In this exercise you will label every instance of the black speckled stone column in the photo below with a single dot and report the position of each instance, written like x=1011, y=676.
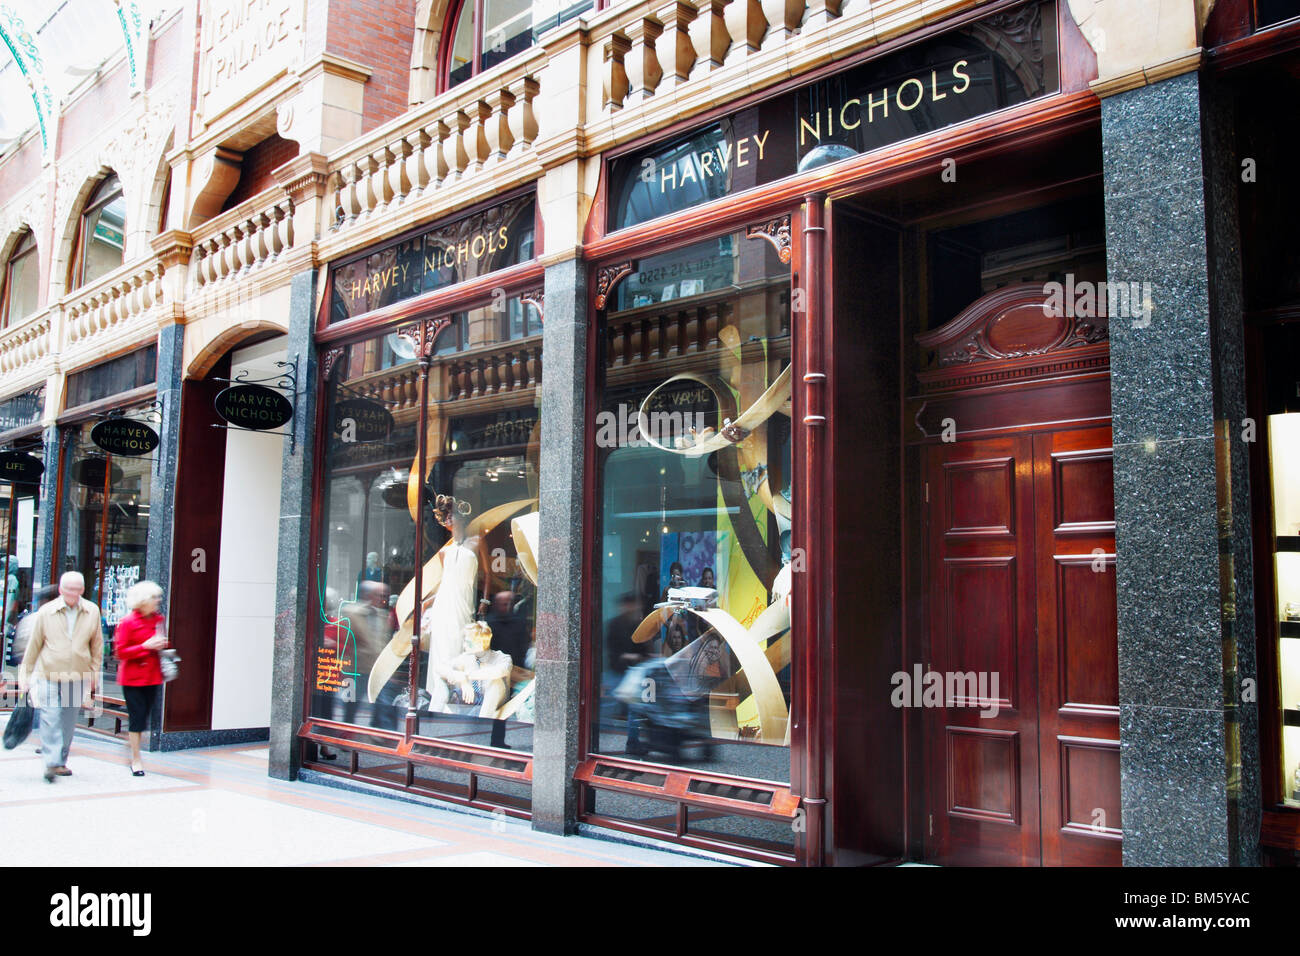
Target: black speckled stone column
x=162, y=495
x=559, y=559
x=288, y=667
x=44, y=545
x=1189, y=767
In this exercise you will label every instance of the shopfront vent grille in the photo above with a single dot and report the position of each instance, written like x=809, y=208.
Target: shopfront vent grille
x=728, y=791
x=470, y=757
x=630, y=774
x=373, y=740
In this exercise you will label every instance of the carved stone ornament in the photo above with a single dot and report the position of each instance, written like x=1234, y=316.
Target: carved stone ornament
x=607, y=278
x=777, y=232
x=1015, y=322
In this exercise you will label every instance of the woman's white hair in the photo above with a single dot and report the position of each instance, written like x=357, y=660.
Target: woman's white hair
x=140, y=592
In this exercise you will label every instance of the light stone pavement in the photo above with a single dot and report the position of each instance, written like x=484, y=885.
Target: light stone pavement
x=217, y=807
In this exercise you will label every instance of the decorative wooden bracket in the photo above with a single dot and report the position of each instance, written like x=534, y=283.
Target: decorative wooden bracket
x=607, y=278
x=775, y=231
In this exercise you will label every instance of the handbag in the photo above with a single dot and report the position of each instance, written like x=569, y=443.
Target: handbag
x=20, y=724
x=169, y=659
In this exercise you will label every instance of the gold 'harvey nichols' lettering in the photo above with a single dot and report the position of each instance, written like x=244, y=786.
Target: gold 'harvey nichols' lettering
x=475, y=247
x=450, y=256
x=377, y=281
x=685, y=170
x=907, y=96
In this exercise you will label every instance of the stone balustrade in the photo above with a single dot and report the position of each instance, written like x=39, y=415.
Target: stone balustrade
x=106, y=306
x=473, y=128
x=24, y=347
x=651, y=49
x=244, y=239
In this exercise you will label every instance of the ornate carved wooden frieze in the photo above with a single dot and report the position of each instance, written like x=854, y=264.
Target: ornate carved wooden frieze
x=607, y=278
x=1016, y=322
x=423, y=334
x=775, y=231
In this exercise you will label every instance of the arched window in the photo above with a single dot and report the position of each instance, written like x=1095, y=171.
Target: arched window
x=486, y=32
x=100, y=235
x=21, y=282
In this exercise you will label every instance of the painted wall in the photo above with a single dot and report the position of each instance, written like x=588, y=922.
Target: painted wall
x=241, y=681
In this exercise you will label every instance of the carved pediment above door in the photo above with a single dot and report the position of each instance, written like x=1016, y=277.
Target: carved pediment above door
x=1018, y=332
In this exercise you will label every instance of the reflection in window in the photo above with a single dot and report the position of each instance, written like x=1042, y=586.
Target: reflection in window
x=102, y=234
x=474, y=671
x=694, y=576
x=21, y=282
x=19, y=523
x=105, y=527
x=508, y=27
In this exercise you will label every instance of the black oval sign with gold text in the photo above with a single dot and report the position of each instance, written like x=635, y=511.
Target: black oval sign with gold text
x=20, y=468
x=253, y=406
x=124, y=436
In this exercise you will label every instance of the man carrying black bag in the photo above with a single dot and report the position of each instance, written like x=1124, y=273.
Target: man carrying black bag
x=25, y=717
x=62, y=667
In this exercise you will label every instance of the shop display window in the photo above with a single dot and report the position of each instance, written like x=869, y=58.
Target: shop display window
x=1284, y=459
x=20, y=526
x=694, y=492
x=104, y=530
x=474, y=668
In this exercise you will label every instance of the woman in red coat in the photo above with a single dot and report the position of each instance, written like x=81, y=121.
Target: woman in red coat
x=136, y=644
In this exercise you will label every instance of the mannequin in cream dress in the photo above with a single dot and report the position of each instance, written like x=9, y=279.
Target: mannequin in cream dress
x=442, y=627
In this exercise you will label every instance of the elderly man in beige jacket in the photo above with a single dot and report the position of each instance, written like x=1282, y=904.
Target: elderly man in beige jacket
x=61, y=668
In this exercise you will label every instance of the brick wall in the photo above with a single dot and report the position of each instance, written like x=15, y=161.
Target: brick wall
x=377, y=34
x=255, y=173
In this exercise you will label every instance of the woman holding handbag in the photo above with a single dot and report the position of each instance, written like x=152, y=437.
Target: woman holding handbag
x=139, y=637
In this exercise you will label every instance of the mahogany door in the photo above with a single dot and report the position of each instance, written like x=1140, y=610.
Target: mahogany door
x=983, y=744
x=1078, y=653
x=1023, y=752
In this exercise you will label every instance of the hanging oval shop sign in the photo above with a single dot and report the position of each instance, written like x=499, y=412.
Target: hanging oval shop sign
x=91, y=472
x=20, y=467
x=253, y=406
x=360, y=419
x=124, y=436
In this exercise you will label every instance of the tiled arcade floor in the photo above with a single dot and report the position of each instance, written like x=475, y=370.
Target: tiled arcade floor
x=217, y=807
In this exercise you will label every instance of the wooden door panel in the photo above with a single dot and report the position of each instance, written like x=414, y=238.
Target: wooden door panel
x=981, y=611
x=1083, y=492
x=984, y=774
x=980, y=498
x=1078, y=679
x=1087, y=649
x=982, y=745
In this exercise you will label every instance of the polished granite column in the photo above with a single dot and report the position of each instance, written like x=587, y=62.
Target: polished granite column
x=1188, y=744
x=559, y=558
x=162, y=495
x=294, y=562
x=43, y=551
x=162, y=492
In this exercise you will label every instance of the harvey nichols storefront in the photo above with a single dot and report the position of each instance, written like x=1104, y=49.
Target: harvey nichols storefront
x=784, y=523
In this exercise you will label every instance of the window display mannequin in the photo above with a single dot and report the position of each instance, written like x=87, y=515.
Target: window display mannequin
x=443, y=624
x=478, y=675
